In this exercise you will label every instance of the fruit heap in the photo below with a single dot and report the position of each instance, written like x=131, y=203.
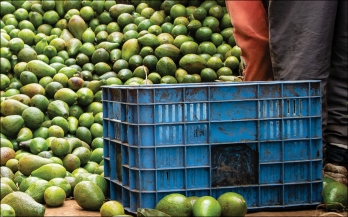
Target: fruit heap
x=227, y=204
x=56, y=55
x=104, y=42
x=54, y=58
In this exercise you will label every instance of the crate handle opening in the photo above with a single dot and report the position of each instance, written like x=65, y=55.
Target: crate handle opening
x=288, y=105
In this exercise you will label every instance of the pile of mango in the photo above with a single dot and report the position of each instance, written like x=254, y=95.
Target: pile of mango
x=227, y=204
x=56, y=55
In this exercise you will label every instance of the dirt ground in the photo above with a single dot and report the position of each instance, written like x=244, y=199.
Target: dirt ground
x=71, y=208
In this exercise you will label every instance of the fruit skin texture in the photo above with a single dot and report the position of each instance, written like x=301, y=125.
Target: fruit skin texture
x=206, y=206
x=88, y=195
x=111, y=208
x=6, y=154
x=335, y=196
x=232, y=204
x=17, y=199
x=192, y=63
x=77, y=26
x=54, y=196
x=36, y=190
x=11, y=125
x=7, y=210
x=192, y=199
x=27, y=164
x=40, y=69
x=130, y=48
x=175, y=205
x=50, y=171
x=5, y=190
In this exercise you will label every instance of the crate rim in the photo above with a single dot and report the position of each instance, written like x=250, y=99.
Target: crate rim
x=207, y=84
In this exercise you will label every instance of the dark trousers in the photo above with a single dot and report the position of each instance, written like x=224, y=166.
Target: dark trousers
x=315, y=31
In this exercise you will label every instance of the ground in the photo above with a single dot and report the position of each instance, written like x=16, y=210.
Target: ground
x=70, y=208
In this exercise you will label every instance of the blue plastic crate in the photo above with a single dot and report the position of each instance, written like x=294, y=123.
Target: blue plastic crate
x=260, y=139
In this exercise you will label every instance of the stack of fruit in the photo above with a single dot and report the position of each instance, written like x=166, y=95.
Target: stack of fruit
x=56, y=55
x=228, y=204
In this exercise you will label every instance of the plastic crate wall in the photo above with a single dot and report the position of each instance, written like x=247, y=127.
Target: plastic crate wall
x=260, y=139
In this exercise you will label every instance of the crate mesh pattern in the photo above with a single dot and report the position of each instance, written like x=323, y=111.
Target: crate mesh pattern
x=262, y=140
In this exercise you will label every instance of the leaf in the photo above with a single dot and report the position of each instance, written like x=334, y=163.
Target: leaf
x=150, y=212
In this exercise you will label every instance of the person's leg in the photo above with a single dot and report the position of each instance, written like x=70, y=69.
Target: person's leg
x=250, y=22
x=337, y=90
x=301, y=35
x=336, y=133
x=301, y=46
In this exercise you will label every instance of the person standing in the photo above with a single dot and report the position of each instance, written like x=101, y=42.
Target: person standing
x=301, y=40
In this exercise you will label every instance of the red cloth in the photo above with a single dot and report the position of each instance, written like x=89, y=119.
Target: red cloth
x=251, y=33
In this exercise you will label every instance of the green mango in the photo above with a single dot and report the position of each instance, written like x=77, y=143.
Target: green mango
x=37, y=189
x=58, y=108
x=66, y=35
x=108, y=46
x=100, y=55
x=50, y=171
x=21, y=98
x=77, y=26
x=12, y=107
x=98, y=6
x=130, y=48
x=29, y=163
x=95, y=86
x=73, y=47
x=62, y=24
x=37, y=7
x=11, y=124
x=40, y=69
x=24, y=134
x=68, y=71
x=88, y=36
x=28, y=77
x=41, y=45
x=71, y=13
x=4, y=42
x=31, y=208
x=73, y=124
x=72, y=4
x=60, y=8
x=118, y=9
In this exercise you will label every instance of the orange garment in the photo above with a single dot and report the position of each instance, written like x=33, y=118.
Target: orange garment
x=250, y=23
